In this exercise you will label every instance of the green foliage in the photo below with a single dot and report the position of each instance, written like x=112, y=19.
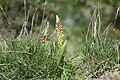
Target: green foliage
x=29, y=58
x=100, y=55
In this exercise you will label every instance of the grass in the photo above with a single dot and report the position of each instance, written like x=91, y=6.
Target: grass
x=28, y=57
x=100, y=53
x=34, y=57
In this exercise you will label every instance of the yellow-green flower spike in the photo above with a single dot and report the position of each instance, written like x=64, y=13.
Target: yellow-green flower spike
x=59, y=31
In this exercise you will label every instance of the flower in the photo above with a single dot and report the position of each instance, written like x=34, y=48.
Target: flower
x=59, y=31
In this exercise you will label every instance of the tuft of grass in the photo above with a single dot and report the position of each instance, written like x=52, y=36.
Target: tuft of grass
x=100, y=53
x=28, y=57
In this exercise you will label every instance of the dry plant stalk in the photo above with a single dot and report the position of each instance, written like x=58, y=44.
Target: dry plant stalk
x=45, y=34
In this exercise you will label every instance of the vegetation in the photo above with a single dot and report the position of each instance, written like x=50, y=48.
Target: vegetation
x=38, y=53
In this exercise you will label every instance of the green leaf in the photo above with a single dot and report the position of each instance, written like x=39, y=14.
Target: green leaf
x=60, y=52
